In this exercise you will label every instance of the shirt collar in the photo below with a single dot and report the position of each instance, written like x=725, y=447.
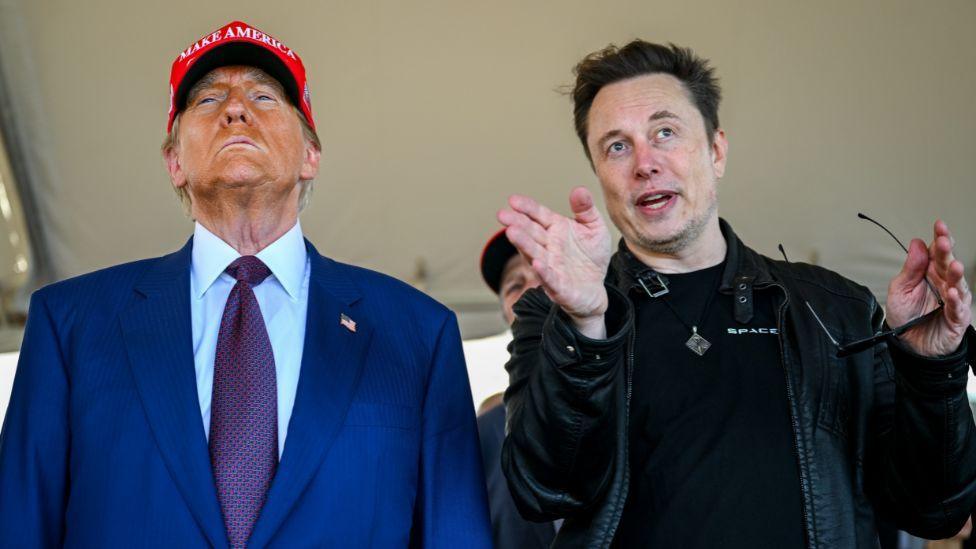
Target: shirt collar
x=285, y=257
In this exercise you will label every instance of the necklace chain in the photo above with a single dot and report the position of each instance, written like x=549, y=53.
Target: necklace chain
x=696, y=343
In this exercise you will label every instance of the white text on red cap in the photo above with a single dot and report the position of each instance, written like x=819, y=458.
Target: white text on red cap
x=236, y=32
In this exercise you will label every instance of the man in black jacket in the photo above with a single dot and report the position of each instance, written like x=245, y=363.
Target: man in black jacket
x=689, y=390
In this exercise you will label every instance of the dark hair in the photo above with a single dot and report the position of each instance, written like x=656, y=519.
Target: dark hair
x=639, y=58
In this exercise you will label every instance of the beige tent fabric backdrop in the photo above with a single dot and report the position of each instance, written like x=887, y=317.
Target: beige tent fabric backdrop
x=431, y=112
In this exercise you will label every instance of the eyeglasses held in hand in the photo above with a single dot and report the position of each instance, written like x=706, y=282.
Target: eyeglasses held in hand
x=853, y=347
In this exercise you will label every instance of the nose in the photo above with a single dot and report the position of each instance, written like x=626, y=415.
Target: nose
x=235, y=110
x=646, y=163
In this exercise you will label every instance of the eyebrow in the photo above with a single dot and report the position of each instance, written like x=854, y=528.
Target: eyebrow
x=663, y=114
x=200, y=85
x=262, y=77
x=659, y=115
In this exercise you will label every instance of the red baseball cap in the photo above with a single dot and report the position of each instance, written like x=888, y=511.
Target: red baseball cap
x=238, y=43
x=498, y=250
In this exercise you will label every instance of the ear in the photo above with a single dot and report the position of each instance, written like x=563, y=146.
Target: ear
x=310, y=164
x=720, y=150
x=176, y=175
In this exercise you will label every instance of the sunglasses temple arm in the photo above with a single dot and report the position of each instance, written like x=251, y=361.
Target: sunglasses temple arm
x=820, y=322
x=858, y=346
x=915, y=322
x=892, y=235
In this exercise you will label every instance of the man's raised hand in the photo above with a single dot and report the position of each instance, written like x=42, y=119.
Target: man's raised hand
x=909, y=296
x=570, y=256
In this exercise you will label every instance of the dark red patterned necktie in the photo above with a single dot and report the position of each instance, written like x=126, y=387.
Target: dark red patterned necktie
x=244, y=408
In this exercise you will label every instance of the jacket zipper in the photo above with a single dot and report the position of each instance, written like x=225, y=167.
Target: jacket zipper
x=808, y=527
x=789, y=398
x=626, y=449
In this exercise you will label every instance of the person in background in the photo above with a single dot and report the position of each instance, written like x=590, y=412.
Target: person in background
x=509, y=276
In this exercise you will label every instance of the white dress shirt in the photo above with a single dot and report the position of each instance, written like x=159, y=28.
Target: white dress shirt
x=283, y=298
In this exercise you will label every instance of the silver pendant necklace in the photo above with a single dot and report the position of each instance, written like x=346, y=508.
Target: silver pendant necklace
x=696, y=343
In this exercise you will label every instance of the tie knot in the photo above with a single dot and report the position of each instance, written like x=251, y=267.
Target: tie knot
x=249, y=269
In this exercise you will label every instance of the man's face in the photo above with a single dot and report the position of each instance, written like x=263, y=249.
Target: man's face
x=517, y=277
x=239, y=136
x=658, y=171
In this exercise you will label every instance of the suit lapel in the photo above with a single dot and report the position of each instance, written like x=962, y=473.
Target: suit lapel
x=332, y=362
x=158, y=339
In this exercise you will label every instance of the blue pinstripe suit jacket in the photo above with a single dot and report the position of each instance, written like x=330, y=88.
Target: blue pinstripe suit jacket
x=103, y=444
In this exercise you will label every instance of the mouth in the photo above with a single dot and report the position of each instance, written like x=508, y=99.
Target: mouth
x=656, y=201
x=239, y=141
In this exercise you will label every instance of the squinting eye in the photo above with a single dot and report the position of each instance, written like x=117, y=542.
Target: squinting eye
x=264, y=97
x=205, y=100
x=512, y=289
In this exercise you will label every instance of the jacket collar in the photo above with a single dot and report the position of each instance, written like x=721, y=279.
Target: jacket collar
x=158, y=340
x=741, y=263
x=744, y=270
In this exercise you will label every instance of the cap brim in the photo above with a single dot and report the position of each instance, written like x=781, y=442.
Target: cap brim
x=495, y=256
x=238, y=53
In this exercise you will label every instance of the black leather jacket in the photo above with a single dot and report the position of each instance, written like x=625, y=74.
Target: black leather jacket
x=881, y=431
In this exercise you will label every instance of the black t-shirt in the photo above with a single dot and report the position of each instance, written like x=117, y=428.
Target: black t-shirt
x=712, y=455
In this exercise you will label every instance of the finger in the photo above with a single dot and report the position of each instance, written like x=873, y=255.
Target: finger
x=941, y=254
x=524, y=243
x=534, y=230
x=539, y=213
x=957, y=309
x=941, y=229
x=581, y=203
x=523, y=223
x=914, y=268
x=956, y=278
x=936, y=228
x=958, y=298
x=506, y=217
x=936, y=276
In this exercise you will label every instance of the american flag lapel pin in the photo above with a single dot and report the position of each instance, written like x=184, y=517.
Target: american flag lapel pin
x=349, y=323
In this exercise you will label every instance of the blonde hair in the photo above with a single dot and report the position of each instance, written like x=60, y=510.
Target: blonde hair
x=172, y=140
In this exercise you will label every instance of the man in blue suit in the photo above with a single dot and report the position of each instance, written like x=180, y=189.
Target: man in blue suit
x=245, y=390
